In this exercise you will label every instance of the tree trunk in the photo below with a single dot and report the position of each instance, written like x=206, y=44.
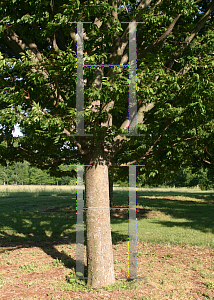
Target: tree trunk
x=99, y=243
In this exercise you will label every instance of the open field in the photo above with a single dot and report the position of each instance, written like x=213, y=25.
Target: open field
x=175, y=244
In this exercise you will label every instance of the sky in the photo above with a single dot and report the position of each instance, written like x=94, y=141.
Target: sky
x=17, y=132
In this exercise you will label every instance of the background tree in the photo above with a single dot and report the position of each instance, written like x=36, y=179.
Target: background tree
x=38, y=91
x=22, y=172
x=3, y=175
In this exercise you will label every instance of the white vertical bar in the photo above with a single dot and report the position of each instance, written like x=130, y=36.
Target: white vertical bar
x=132, y=223
x=80, y=83
x=80, y=224
x=132, y=79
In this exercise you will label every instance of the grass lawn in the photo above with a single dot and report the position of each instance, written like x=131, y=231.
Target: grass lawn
x=175, y=250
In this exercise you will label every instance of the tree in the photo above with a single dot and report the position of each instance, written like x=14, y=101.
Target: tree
x=3, y=175
x=38, y=91
x=22, y=171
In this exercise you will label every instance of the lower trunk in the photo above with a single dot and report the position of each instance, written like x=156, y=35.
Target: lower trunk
x=99, y=242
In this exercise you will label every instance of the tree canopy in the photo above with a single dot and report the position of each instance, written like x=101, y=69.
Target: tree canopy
x=38, y=79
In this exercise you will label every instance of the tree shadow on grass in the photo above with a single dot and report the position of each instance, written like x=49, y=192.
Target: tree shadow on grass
x=206, y=197
x=43, y=222
x=43, y=230
x=199, y=215
x=50, y=221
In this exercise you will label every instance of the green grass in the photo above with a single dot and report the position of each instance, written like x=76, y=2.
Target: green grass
x=178, y=217
x=34, y=214
x=28, y=267
x=46, y=217
x=119, y=285
x=2, y=282
x=38, y=214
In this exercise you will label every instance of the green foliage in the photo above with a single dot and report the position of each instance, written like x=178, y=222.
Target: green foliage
x=202, y=178
x=24, y=174
x=175, y=74
x=188, y=178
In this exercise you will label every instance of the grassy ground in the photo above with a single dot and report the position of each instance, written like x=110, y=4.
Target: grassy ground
x=175, y=244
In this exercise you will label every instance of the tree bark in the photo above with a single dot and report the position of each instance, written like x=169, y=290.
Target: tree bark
x=99, y=243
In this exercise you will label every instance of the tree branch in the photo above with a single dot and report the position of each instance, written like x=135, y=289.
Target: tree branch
x=32, y=154
x=194, y=32
x=20, y=46
x=130, y=163
x=58, y=91
x=13, y=40
x=143, y=4
x=149, y=153
x=79, y=146
x=161, y=39
x=208, y=162
x=208, y=152
x=150, y=149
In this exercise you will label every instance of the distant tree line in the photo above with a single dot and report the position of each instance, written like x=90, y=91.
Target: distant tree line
x=202, y=178
x=23, y=174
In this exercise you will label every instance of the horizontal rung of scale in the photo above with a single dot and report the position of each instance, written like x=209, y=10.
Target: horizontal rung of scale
x=132, y=278
x=112, y=208
x=80, y=22
x=106, y=65
x=93, y=22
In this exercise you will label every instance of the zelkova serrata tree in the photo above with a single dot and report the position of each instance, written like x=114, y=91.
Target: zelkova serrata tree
x=175, y=43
